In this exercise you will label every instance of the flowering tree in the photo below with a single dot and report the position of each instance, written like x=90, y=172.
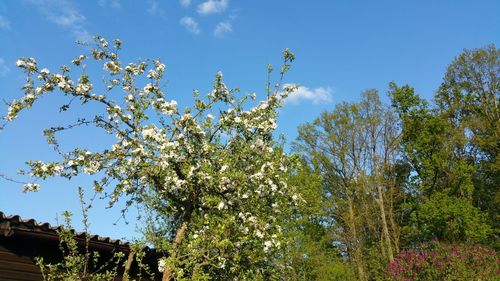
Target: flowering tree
x=211, y=174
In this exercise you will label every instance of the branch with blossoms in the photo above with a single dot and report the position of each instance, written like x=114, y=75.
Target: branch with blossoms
x=210, y=174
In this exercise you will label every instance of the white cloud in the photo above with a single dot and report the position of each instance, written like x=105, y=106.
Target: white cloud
x=81, y=34
x=64, y=14
x=185, y=3
x=222, y=28
x=115, y=4
x=4, y=23
x=213, y=7
x=4, y=69
x=190, y=24
x=316, y=96
x=155, y=9
x=68, y=18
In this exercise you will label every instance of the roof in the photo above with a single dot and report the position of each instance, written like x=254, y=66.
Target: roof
x=15, y=225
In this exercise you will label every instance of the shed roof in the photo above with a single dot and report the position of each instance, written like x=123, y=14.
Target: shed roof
x=15, y=225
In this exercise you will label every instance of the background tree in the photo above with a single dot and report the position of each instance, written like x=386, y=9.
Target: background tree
x=354, y=148
x=381, y=143
x=452, y=150
x=330, y=146
x=311, y=255
x=429, y=146
x=469, y=99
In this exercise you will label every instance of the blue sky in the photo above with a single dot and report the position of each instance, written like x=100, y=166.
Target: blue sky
x=342, y=48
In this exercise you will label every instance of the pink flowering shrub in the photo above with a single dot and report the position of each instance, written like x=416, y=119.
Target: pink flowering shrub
x=443, y=261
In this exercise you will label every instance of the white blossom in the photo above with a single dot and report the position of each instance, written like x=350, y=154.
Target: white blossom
x=162, y=264
x=221, y=206
x=31, y=187
x=148, y=88
x=20, y=63
x=112, y=67
x=267, y=245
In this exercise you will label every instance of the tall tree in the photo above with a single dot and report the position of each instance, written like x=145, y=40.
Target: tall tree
x=333, y=147
x=381, y=143
x=354, y=148
x=469, y=98
x=441, y=174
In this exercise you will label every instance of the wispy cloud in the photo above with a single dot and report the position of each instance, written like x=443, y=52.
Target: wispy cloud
x=115, y=4
x=4, y=23
x=316, y=95
x=155, y=9
x=4, y=69
x=222, y=28
x=64, y=14
x=81, y=34
x=185, y=3
x=190, y=24
x=212, y=7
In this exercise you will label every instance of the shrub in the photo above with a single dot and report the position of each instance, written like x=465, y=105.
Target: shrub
x=444, y=261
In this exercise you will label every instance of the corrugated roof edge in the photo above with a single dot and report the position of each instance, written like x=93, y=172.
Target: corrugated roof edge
x=10, y=225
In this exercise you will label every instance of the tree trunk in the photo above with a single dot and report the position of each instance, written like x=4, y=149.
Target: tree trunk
x=126, y=271
x=358, y=255
x=385, y=229
x=376, y=165
x=394, y=226
x=174, y=251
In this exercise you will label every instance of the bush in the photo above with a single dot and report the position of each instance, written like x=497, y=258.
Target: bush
x=443, y=261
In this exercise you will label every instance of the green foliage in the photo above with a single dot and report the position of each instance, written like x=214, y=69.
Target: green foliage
x=78, y=264
x=431, y=146
x=375, y=265
x=354, y=150
x=469, y=98
x=452, y=150
x=311, y=260
x=311, y=254
x=447, y=218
